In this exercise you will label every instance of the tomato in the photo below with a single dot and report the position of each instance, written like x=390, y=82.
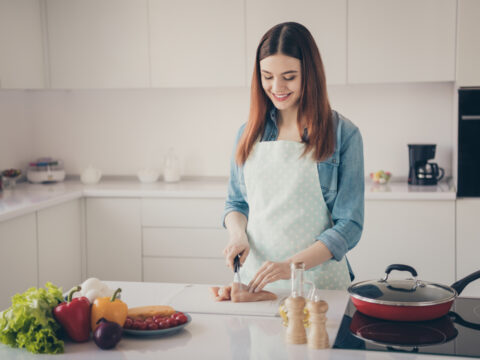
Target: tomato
x=162, y=324
x=152, y=326
x=142, y=325
x=172, y=322
x=181, y=318
x=157, y=317
x=128, y=323
x=149, y=320
x=137, y=324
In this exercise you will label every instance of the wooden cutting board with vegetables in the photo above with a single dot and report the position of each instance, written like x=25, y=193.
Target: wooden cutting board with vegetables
x=40, y=319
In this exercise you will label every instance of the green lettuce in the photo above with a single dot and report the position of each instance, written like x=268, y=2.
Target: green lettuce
x=29, y=322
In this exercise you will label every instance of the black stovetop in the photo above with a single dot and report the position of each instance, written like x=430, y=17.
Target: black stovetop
x=456, y=334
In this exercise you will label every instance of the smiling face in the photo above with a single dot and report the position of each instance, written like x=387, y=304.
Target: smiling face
x=282, y=80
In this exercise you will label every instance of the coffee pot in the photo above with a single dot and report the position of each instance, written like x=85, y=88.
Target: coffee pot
x=421, y=171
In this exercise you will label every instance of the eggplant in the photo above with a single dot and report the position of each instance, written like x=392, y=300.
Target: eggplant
x=107, y=334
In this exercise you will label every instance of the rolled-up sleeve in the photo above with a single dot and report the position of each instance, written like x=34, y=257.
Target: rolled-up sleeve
x=348, y=208
x=236, y=196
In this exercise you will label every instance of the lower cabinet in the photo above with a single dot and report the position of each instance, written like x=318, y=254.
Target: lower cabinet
x=113, y=239
x=59, y=232
x=187, y=255
x=468, y=242
x=417, y=233
x=18, y=257
x=183, y=240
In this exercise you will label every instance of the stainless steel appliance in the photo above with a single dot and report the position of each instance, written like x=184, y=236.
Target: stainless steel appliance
x=421, y=171
x=468, y=180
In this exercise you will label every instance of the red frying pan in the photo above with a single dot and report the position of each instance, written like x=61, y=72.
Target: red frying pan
x=406, y=300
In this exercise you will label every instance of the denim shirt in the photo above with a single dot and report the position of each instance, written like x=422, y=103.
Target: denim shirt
x=341, y=179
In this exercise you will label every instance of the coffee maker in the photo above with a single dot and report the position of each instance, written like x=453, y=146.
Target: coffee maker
x=421, y=171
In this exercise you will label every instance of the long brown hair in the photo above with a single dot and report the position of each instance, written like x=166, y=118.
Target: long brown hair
x=292, y=39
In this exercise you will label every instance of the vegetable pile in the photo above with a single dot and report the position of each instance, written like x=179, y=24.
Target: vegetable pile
x=29, y=322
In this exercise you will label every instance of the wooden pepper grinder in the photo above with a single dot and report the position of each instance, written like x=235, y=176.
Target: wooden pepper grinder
x=295, y=305
x=317, y=335
x=296, y=333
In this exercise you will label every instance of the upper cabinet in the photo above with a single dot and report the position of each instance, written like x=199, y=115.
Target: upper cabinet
x=326, y=20
x=197, y=43
x=401, y=41
x=98, y=44
x=468, y=44
x=21, y=45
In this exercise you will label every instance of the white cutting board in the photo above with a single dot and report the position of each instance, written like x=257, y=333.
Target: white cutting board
x=198, y=299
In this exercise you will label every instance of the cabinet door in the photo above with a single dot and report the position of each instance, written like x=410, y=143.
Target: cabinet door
x=468, y=49
x=59, y=244
x=114, y=244
x=21, y=45
x=416, y=233
x=468, y=242
x=18, y=257
x=197, y=43
x=98, y=44
x=401, y=41
x=325, y=19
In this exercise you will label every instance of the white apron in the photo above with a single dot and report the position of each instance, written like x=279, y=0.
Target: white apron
x=286, y=212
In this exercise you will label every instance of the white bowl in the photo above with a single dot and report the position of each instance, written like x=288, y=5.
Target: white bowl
x=147, y=176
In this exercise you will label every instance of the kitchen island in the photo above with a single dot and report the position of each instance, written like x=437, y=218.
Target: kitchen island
x=214, y=336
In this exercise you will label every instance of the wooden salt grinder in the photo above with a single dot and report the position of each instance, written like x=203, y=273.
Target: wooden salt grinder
x=296, y=333
x=317, y=335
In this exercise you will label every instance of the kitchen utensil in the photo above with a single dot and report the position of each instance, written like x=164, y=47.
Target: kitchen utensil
x=406, y=300
x=236, y=269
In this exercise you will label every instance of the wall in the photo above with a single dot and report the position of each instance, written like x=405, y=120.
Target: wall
x=16, y=135
x=120, y=131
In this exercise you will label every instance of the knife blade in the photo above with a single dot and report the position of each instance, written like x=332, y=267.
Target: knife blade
x=236, y=269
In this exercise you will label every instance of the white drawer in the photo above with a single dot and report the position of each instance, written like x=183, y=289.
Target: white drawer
x=199, y=213
x=184, y=242
x=184, y=270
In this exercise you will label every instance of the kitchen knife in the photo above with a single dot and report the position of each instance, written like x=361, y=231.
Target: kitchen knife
x=236, y=269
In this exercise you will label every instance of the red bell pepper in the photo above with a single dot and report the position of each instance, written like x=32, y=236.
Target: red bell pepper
x=74, y=316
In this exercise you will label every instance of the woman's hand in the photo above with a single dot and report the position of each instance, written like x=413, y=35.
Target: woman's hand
x=269, y=272
x=237, y=245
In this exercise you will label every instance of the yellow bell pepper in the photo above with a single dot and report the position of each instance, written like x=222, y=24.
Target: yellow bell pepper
x=112, y=309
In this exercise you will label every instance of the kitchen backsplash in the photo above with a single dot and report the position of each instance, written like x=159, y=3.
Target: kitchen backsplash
x=121, y=131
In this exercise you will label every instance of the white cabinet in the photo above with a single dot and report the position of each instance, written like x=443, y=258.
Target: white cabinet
x=59, y=230
x=468, y=242
x=113, y=236
x=401, y=41
x=18, y=257
x=411, y=232
x=21, y=45
x=468, y=44
x=197, y=43
x=98, y=44
x=183, y=241
x=326, y=20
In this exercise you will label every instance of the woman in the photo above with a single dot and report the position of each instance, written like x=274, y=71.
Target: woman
x=296, y=190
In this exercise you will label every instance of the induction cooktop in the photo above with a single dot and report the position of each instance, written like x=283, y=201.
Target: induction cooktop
x=455, y=334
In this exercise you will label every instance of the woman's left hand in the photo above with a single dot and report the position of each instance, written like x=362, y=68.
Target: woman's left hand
x=269, y=272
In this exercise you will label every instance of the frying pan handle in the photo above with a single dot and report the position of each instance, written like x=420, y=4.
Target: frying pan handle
x=400, y=267
x=461, y=321
x=460, y=284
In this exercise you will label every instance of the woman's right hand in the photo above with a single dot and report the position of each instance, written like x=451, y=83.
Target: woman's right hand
x=236, y=245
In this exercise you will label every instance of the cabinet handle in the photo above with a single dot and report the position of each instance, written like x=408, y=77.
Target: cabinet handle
x=470, y=117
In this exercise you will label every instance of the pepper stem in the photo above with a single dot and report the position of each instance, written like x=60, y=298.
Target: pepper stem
x=73, y=290
x=114, y=296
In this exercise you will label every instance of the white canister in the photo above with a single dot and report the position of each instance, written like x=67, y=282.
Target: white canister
x=171, y=170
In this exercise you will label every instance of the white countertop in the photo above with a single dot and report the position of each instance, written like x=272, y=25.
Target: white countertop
x=213, y=337
x=26, y=198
